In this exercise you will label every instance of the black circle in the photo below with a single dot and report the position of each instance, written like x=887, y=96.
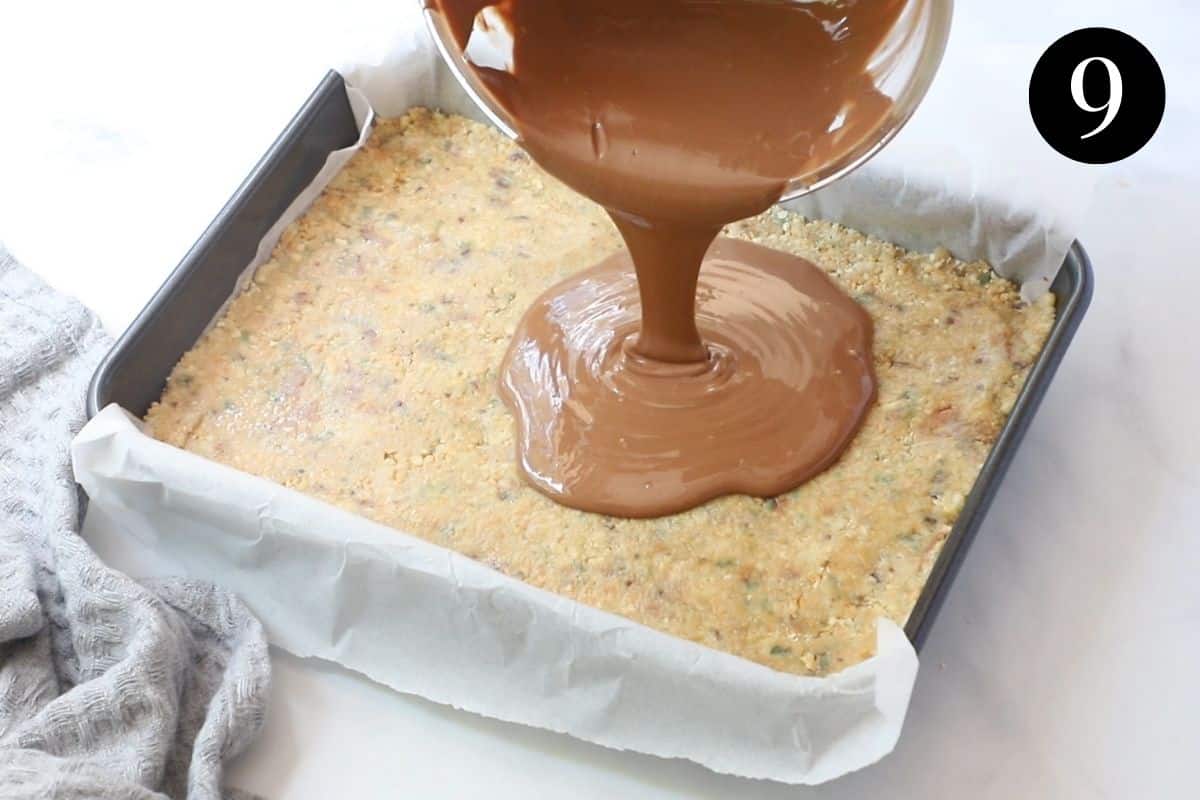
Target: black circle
x=1057, y=106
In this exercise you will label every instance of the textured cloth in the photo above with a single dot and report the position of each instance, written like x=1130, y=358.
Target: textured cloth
x=108, y=688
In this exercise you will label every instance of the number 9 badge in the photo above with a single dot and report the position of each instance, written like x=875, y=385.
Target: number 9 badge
x=1097, y=95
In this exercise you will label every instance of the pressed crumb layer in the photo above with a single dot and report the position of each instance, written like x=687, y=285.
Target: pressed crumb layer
x=360, y=364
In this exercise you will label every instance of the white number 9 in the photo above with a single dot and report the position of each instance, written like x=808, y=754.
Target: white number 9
x=1115, y=90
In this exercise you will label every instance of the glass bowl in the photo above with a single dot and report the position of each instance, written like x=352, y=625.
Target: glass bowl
x=904, y=68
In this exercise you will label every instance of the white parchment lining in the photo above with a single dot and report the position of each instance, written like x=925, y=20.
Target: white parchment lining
x=427, y=621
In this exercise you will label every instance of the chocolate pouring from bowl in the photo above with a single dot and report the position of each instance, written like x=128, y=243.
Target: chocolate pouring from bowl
x=669, y=115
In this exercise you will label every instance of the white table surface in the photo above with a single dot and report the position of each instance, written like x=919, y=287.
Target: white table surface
x=1066, y=661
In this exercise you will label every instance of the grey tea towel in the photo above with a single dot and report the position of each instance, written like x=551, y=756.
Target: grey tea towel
x=108, y=687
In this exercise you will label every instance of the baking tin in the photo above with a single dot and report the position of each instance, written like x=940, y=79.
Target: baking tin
x=135, y=371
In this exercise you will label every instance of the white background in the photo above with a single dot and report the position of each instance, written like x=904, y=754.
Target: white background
x=1066, y=662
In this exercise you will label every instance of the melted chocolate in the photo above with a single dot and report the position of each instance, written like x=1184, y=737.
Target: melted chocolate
x=679, y=116
x=600, y=427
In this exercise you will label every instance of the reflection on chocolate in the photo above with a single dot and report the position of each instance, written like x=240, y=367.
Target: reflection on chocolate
x=680, y=116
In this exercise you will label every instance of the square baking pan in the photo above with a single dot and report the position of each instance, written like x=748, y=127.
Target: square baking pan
x=134, y=372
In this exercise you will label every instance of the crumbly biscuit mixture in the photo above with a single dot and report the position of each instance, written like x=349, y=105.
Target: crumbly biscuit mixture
x=360, y=366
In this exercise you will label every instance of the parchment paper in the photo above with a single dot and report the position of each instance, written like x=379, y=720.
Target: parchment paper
x=427, y=621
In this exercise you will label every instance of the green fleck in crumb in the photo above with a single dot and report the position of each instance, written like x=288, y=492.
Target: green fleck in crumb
x=780, y=650
x=985, y=278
